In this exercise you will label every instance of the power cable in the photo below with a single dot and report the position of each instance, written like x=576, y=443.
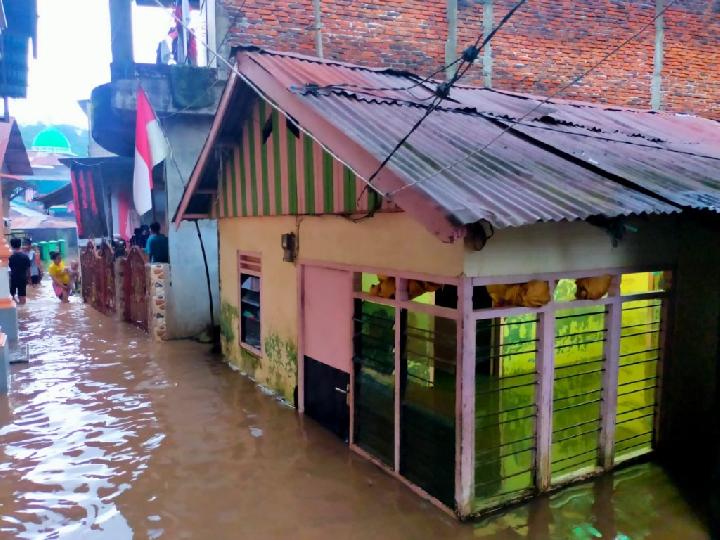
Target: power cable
x=465, y=61
x=545, y=101
x=366, y=89
x=233, y=69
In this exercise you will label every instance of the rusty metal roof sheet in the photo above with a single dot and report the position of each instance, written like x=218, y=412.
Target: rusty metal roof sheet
x=514, y=182
x=551, y=161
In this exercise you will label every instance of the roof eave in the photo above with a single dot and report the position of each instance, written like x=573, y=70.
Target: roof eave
x=206, y=151
x=435, y=218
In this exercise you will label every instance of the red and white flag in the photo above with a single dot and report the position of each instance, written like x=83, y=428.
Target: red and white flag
x=150, y=149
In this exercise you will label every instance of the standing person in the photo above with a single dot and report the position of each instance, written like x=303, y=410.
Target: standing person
x=19, y=264
x=157, y=245
x=144, y=236
x=61, y=277
x=36, y=268
x=135, y=239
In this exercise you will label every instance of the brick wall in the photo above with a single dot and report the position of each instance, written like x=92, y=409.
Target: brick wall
x=544, y=46
x=691, y=72
x=548, y=43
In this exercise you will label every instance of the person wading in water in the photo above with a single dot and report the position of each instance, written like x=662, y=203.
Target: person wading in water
x=61, y=277
x=19, y=264
x=36, y=268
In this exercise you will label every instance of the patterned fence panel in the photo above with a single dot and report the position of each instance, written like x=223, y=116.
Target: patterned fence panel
x=135, y=287
x=98, y=277
x=88, y=269
x=106, y=284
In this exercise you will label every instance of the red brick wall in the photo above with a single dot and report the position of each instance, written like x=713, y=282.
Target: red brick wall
x=543, y=47
x=550, y=42
x=691, y=74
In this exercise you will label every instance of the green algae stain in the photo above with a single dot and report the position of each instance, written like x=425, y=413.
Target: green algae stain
x=228, y=321
x=250, y=362
x=291, y=354
x=282, y=363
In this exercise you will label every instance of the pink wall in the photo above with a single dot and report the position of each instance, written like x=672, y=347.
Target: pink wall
x=328, y=309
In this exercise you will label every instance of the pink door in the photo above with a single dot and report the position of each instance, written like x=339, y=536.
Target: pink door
x=328, y=340
x=328, y=311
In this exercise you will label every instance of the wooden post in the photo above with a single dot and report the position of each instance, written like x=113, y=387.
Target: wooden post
x=544, y=397
x=301, y=338
x=400, y=295
x=608, y=408
x=465, y=401
x=664, y=341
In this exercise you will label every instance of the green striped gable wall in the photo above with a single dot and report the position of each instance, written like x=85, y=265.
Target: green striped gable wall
x=275, y=171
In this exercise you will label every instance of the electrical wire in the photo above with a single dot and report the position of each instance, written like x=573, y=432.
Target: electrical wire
x=545, y=101
x=233, y=69
x=365, y=89
x=465, y=61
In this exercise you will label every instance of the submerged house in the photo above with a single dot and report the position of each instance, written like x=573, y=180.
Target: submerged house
x=518, y=300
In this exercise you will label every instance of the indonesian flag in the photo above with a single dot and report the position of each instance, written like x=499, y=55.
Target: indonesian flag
x=150, y=149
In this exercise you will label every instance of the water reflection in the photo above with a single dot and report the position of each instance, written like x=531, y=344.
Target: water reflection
x=107, y=435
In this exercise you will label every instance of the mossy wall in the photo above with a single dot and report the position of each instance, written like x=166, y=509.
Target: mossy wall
x=388, y=241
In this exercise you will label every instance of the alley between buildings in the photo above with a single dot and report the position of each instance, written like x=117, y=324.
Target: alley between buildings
x=107, y=434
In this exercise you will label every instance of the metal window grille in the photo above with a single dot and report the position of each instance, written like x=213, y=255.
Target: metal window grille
x=505, y=409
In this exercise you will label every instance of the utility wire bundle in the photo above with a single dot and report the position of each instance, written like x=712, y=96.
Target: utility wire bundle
x=442, y=91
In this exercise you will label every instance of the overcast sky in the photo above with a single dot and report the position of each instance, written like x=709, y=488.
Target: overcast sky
x=74, y=57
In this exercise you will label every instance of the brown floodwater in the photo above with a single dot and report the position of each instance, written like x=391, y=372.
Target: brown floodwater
x=107, y=435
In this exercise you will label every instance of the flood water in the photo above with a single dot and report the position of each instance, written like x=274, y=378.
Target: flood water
x=107, y=435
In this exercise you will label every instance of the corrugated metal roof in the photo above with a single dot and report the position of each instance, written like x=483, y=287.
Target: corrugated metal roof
x=515, y=181
x=687, y=180
x=512, y=184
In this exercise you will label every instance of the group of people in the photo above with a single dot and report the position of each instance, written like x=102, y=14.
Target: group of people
x=26, y=268
x=153, y=242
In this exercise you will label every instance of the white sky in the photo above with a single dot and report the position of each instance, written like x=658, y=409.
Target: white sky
x=74, y=57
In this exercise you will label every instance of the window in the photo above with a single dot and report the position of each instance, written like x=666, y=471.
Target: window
x=579, y=331
x=405, y=359
x=249, y=268
x=505, y=408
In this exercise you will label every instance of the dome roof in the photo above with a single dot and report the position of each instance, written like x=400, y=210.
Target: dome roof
x=53, y=141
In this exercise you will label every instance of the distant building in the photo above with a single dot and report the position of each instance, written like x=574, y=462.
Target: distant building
x=184, y=96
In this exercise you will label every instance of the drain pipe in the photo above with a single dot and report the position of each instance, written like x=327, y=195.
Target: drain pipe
x=213, y=332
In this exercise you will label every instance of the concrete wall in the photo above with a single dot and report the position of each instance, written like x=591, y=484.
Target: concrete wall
x=558, y=247
x=188, y=304
x=388, y=241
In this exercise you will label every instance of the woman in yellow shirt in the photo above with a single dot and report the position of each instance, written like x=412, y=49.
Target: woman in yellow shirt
x=60, y=277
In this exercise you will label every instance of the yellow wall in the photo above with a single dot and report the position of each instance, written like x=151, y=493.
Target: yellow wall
x=387, y=241
x=558, y=247
x=396, y=242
